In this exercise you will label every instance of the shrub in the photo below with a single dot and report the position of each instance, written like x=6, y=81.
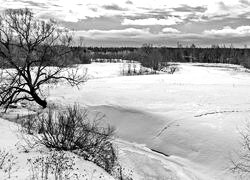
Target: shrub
x=55, y=165
x=28, y=123
x=8, y=165
x=241, y=160
x=71, y=130
x=172, y=69
x=122, y=173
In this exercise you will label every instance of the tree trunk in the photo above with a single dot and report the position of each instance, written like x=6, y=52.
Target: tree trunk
x=39, y=101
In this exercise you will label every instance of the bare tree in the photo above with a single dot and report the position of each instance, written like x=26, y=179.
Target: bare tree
x=32, y=53
x=240, y=160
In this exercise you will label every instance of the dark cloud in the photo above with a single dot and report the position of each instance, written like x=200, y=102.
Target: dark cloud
x=159, y=13
x=32, y=3
x=48, y=16
x=221, y=16
x=163, y=13
x=223, y=6
x=151, y=14
x=245, y=2
x=93, y=9
x=55, y=5
x=193, y=17
x=113, y=7
x=101, y=23
x=245, y=16
x=129, y=2
x=186, y=8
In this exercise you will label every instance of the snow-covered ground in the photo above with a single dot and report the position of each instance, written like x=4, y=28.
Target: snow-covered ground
x=138, y=161
x=193, y=116
x=12, y=143
x=204, y=105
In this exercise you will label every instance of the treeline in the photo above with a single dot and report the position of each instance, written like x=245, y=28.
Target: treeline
x=79, y=55
x=70, y=55
x=155, y=57
x=147, y=55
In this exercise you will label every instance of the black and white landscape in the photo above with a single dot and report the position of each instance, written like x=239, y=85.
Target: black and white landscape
x=124, y=90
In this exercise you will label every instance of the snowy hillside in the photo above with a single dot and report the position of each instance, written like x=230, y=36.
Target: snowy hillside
x=168, y=126
x=204, y=105
x=12, y=143
x=148, y=164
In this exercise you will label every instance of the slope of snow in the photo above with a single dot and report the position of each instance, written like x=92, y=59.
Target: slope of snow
x=142, y=163
x=137, y=160
x=11, y=142
x=205, y=105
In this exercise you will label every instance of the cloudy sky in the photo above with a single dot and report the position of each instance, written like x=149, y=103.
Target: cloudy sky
x=159, y=22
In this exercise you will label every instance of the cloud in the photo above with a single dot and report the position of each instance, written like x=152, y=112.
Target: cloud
x=167, y=36
x=187, y=8
x=129, y=2
x=114, y=33
x=194, y=20
x=245, y=2
x=221, y=9
x=33, y=3
x=152, y=21
x=135, y=34
x=228, y=31
x=181, y=9
x=114, y=7
x=223, y=6
x=170, y=30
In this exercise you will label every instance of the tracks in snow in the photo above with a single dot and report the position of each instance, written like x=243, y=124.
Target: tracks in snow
x=220, y=112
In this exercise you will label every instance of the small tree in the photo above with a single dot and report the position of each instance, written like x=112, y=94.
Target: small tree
x=150, y=57
x=32, y=53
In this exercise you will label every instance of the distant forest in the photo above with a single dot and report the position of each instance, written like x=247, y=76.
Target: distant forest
x=154, y=57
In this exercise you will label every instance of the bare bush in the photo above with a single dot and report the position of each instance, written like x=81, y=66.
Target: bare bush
x=29, y=124
x=8, y=165
x=241, y=160
x=122, y=173
x=172, y=69
x=134, y=68
x=57, y=165
x=72, y=130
